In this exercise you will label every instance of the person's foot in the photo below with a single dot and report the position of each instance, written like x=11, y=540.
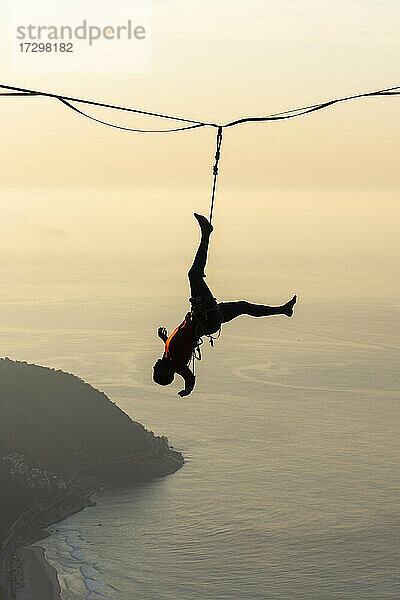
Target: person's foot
x=204, y=223
x=288, y=307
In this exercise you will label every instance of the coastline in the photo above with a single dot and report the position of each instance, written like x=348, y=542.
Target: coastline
x=25, y=571
x=39, y=578
x=61, y=472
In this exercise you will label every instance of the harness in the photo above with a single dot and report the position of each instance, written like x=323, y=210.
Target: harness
x=201, y=309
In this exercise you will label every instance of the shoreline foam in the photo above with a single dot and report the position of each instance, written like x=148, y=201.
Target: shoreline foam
x=165, y=462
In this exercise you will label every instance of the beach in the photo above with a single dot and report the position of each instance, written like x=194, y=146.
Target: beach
x=40, y=578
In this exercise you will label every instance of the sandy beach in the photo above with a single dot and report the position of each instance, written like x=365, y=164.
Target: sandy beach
x=40, y=578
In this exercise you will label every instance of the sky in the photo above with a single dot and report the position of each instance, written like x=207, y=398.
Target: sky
x=314, y=198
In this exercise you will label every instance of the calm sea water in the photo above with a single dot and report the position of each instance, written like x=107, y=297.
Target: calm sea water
x=291, y=484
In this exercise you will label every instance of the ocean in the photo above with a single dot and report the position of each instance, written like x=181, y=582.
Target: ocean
x=291, y=440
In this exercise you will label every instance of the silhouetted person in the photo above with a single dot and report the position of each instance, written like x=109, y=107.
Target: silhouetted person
x=206, y=318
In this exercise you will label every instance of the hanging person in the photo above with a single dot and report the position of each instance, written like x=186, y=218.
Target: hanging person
x=205, y=318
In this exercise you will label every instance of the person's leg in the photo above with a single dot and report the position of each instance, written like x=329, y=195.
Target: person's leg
x=231, y=310
x=198, y=287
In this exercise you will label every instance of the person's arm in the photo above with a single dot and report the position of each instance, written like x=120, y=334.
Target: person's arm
x=163, y=334
x=189, y=379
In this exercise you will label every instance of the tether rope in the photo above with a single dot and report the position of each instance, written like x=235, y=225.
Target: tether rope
x=215, y=170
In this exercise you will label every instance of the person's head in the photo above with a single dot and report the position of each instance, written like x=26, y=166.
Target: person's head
x=163, y=373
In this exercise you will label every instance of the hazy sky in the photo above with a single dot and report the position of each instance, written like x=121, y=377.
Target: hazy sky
x=322, y=189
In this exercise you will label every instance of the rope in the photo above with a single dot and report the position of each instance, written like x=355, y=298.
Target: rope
x=103, y=105
x=125, y=128
x=288, y=114
x=199, y=317
x=298, y=112
x=212, y=338
x=18, y=94
x=215, y=170
x=196, y=355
